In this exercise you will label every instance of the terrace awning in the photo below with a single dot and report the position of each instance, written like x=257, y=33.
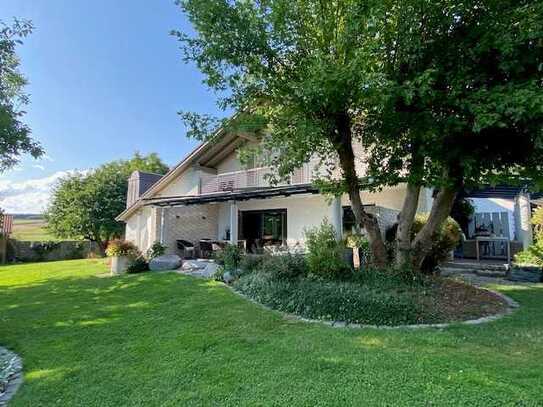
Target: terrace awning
x=237, y=195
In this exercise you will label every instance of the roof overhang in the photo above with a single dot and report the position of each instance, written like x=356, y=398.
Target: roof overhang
x=240, y=195
x=207, y=154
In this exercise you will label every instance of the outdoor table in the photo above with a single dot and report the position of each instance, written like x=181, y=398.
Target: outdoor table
x=493, y=239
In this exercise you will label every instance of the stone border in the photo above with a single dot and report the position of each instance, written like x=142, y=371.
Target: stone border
x=512, y=305
x=15, y=379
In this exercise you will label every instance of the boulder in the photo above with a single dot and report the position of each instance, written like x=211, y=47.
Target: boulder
x=227, y=277
x=165, y=262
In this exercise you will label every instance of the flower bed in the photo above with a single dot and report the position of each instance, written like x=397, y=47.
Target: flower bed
x=371, y=298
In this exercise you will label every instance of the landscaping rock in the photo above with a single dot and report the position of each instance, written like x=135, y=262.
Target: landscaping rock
x=528, y=274
x=227, y=277
x=11, y=368
x=166, y=262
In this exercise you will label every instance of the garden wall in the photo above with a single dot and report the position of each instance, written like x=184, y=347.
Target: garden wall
x=23, y=251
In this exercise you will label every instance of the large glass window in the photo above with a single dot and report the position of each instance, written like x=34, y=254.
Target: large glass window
x=263, y=228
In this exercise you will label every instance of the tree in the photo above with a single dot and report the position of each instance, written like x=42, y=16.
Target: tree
x=462, y=103
x=84, y=206
x=441, y=93
x=295, y=66
x=15, y=137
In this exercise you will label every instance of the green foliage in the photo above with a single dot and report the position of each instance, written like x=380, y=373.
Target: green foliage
x=445, y=239
x=156, y=249
x=230, y=257
x=121, y=248
x=86, y=205
x=537, y=221
x=137, y=264
x=325, y=254
x=286, y=266
x=462, y=212
x=533, y=255
x=15, y=136
x=252, y=262
x=346, y=301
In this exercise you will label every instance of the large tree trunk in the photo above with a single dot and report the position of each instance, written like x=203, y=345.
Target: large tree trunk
x=343, y=144
x=441, y=208
x=405, y=225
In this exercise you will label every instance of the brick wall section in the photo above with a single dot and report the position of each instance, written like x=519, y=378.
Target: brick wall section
x=190, y=223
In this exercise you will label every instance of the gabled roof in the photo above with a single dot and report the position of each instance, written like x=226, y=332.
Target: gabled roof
x=207, y=154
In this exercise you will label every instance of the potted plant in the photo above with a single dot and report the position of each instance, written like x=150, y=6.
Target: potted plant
x=121, y=253
x=356, y=250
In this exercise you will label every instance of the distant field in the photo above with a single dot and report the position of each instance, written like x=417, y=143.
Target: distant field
x=31, y=230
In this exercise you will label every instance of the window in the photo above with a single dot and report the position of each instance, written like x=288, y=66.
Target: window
x=263, y=228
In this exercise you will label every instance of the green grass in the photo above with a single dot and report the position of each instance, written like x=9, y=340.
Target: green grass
x=88, y=339
x=34, y=230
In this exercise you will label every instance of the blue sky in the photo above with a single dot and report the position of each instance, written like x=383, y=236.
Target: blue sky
x=106, y=79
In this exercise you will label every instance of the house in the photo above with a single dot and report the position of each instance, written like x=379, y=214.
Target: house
x=501, y=212
x=210, y=195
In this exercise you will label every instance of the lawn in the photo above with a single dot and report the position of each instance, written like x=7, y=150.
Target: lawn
x=33, y=230
x=168, y=340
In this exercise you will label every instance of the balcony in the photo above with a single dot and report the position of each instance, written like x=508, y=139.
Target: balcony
x=254, y=178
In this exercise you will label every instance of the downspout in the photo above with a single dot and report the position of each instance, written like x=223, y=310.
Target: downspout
x=162, y=226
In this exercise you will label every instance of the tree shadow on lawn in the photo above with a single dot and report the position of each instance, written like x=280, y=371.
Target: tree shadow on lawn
x=161, y=339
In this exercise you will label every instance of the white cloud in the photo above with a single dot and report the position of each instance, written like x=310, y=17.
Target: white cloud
x=39, y=167
x=47, y=158
x=30, y=196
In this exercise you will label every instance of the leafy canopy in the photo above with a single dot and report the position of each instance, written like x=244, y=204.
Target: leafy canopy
x=292, y=67
x=461, y=92
x=85, y=205
x=15, y=138
x=433, y=88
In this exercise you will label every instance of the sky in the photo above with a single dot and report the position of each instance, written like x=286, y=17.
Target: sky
x=106, y=79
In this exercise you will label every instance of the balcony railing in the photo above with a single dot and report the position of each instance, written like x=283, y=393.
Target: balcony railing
x=250, y=179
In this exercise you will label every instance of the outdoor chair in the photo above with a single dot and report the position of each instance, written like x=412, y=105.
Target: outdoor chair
x=187, y=248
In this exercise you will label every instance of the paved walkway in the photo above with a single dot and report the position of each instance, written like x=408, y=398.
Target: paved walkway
x=198, y=268
x=476, y=280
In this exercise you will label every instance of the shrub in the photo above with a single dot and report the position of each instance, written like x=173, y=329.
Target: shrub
x=346, y=301
x=156, y=250
x=325, y=253
x=285, y=266
x=137, y=265
x=230, y=257
x=121, y=248
x=537, y=221
x=251, y=262
x=533, y=255
x=445, y=240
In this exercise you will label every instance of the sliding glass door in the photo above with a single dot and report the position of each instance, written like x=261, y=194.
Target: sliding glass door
x=263, y=228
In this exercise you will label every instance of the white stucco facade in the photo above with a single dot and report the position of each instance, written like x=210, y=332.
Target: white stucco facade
x=142, y=228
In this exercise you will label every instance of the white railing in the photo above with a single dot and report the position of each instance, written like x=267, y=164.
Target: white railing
x=250, y=179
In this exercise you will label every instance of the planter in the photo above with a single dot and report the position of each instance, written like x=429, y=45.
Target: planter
x=119, y=264
x=528, y=274
x=354, y=257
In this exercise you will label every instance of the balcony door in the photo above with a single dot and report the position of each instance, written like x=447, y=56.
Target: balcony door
x=263, y=228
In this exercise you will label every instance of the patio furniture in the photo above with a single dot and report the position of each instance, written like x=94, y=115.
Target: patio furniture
x=206, y=248
x=187, y=248
x=487, y=240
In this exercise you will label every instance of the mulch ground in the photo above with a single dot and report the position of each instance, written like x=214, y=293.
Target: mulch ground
x=450, y=300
